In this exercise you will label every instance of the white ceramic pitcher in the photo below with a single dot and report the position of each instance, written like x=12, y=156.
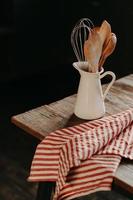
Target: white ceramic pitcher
x=90, y=98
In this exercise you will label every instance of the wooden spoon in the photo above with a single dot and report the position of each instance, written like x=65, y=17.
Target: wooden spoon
x=104, y=31
x=96, y=45
x=108, y=50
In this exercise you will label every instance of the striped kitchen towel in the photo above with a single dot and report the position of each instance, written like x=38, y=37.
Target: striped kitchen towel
x=83, y=159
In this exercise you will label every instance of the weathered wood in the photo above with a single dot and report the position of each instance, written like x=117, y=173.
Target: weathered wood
x=124, y=175
x=42, y=120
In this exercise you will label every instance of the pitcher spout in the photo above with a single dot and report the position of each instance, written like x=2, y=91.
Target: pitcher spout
x=81, y=66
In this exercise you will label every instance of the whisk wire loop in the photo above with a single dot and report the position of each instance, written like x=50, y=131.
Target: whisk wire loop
x=79, y=35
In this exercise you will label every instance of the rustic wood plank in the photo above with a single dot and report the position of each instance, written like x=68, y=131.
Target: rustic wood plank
x=124, y=175
x=42, y=120
x=45, y=119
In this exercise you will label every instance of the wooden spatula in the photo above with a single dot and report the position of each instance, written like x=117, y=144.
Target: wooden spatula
x=93, y=50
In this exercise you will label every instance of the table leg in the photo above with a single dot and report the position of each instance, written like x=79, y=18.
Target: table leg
x=45, y=190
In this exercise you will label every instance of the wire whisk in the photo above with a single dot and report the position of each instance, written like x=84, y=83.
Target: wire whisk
x=79, y=35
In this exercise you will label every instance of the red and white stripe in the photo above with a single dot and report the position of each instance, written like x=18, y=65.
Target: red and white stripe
x=83, y=159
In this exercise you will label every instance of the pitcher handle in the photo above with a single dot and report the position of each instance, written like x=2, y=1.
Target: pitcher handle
x=110, y=84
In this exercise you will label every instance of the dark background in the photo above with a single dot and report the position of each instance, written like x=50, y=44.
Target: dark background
x=35, y=35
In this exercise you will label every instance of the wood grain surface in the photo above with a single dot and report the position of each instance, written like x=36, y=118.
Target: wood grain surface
x=42, y=120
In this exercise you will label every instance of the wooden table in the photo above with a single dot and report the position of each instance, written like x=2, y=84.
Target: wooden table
x=42, y=120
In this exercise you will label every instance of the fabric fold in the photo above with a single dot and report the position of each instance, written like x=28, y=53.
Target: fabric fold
x=83, y=159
